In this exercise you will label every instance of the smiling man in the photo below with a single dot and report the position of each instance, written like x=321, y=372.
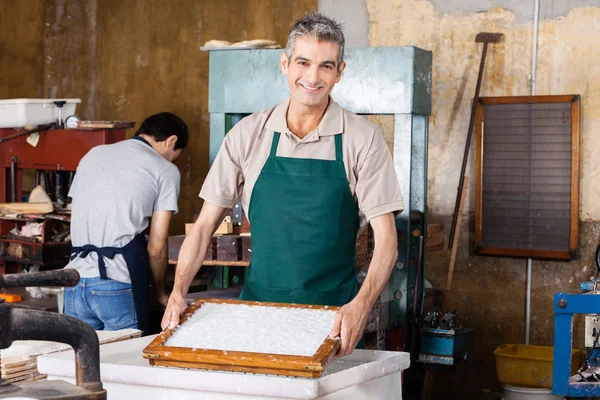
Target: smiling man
x=310, y=175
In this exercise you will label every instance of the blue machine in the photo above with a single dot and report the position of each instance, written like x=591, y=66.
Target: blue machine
x=586, y=383
x=443, y=343
x=445, y=347
x=565, y=306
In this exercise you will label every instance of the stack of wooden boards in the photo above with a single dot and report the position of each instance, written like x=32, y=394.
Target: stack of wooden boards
x=18, y=363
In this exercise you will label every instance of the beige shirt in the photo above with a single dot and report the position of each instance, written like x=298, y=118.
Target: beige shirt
x=367, y=159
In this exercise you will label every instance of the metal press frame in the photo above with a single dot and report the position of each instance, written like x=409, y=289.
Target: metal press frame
x=377, y=81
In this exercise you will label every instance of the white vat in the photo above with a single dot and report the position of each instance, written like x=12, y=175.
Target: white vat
x=365, y=374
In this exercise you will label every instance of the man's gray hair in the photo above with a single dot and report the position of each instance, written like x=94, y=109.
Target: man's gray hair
x=319, y=27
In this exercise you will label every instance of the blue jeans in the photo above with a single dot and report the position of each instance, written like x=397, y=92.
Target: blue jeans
x=104, y=304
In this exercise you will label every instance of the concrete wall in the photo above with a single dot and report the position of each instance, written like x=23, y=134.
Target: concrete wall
x=489, y=292
x=565, y=56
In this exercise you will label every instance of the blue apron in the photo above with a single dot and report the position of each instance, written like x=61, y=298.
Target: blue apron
x=135, y=254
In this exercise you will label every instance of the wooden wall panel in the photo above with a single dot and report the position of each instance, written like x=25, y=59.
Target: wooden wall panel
x=70, y=52
x=130, y=59
x=149, y=61
x=21, y=48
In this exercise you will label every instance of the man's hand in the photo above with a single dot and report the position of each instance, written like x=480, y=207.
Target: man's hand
x=163, y=299
x=350, y=322
x=175, y=308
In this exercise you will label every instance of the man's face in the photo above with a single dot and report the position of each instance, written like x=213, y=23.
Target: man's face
x=312, y=71
x=173, y=155
x=167, y=149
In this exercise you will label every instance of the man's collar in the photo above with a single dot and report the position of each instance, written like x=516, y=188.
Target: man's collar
x=331, y=124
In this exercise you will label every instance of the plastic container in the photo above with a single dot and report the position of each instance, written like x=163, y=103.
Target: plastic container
x=518, y=393
x=17, y=113
x=528, y=366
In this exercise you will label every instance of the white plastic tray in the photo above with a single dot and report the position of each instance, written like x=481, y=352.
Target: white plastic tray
x=17, y=113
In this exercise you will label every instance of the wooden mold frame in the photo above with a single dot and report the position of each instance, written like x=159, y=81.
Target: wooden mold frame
x=237, y=361
x=575, y=101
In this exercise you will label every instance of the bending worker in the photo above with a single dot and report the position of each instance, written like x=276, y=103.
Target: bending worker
x=309, y=174
x=118, y=189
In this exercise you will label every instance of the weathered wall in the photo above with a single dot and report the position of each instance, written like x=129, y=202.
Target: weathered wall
x=21, y=48
x=489, y=292
x=354, y=16
x=129, y=59
x=565, y=56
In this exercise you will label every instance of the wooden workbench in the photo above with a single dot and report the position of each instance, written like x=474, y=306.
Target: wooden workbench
x=29, y=302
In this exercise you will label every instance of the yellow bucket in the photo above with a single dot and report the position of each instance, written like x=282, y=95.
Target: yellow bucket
x=528, y=366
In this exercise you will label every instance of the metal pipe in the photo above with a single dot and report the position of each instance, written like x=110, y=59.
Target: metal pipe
x=27, y=132
x=41, y=325
x=48, y=184
x=61, y=277
x=58, y=186
x=528, y=303
x=536, y=17
x=417, y=301
x=13, y=180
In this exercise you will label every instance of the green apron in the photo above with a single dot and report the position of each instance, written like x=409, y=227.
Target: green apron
x=304, y=223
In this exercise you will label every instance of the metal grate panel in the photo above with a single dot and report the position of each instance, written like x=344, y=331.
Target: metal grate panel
x=526, y=184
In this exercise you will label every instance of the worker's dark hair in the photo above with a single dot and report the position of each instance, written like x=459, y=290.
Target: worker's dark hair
x=163, y=125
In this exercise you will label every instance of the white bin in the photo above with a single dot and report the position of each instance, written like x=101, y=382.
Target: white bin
x=17, y=113
x=519, y=393
x=363, y=375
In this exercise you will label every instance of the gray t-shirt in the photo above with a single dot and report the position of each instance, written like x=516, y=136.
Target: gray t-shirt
x=116, y=189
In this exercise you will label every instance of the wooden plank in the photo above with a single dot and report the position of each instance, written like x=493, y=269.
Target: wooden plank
x=7, y=370
x=527, y=99
x=15, y=361
x=435, y=237
x=225, y=228
x=559, y=255
x=236, y=368
x=105, y=124
x=28, y=208
x=36, y=376
x=18, y=372
x=479, y=183
x=457, y=235
x=217, y=263
x=158, y=353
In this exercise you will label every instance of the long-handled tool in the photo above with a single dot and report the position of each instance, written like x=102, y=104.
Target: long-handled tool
x=485, y=38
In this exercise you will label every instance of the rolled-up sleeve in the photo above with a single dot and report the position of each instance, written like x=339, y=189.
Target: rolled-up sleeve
x=224, y=183
x=377, y=187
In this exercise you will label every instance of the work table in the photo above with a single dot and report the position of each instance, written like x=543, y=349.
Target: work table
x=365, y=374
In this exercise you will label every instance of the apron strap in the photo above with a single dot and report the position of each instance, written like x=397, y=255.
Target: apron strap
x=274, y=144
x=108, y=252
x=339, y=155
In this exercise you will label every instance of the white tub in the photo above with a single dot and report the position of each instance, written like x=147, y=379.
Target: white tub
x=17, y=113
x=365, y=374
x=519, y=393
